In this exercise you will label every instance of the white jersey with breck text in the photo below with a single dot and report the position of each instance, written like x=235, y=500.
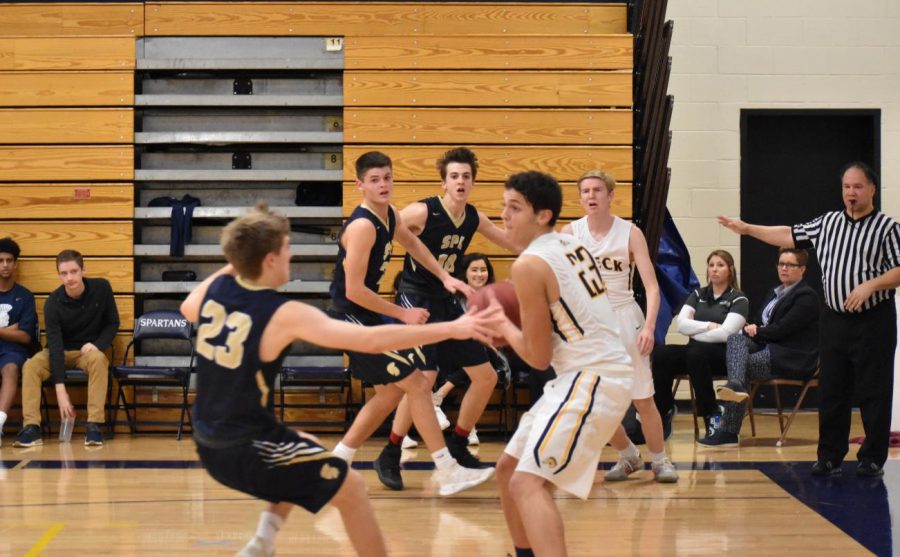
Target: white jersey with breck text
x=613, y=258
x=585, y=328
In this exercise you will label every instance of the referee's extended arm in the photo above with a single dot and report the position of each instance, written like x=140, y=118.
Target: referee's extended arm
x=780, y=236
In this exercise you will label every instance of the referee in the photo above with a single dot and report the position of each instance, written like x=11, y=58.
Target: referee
x=859, y=252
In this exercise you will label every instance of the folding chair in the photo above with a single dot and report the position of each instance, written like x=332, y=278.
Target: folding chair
x=322, y=380
x=157, y=326
x=775, y=383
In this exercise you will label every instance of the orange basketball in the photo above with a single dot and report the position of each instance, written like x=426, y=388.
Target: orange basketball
x=505, y=294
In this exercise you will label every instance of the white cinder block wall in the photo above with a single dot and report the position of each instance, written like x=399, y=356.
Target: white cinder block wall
x=734, y=54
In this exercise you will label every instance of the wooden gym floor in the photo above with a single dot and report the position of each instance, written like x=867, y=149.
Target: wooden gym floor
x=147, y=495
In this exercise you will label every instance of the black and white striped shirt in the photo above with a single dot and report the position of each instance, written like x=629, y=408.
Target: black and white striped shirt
x=851, y=252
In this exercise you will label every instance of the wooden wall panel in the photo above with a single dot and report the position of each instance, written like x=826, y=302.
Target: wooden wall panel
x=547, y=52
x=63, y=201
x=471, y=126
x=67, y=53
x=487, y=197
x=66, y=163
x=48, y=238
x=67, y=89
x=39, y=274
x=497, y=88
x=370, y=18
x=125, y=305
x=19, y=126
x=70, y=19
x=496, y=164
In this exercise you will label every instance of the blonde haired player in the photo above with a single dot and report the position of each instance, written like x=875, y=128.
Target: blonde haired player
x=567, y=321
x=618, y=247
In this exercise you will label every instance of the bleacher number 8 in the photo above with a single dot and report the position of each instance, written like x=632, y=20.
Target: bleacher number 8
x=231, y=354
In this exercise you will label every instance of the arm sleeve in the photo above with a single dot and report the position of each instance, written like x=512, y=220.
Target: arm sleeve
x=110, y=319
x=802, y=312
x=55, y=341
x=687, y=325
x=806, y=235
x=733, y=324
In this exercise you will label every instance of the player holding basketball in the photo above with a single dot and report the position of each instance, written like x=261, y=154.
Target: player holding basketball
x=245, y=327
x=567, y=321
x=365, y=244
x=618, y=247
x=446, y=226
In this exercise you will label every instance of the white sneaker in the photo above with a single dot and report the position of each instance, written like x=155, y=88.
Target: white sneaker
x=441, y=417
x=256, y=547
x=664, y=472
x=473, y=437
x=456, y=478
x=624, y=468
x=409, y=443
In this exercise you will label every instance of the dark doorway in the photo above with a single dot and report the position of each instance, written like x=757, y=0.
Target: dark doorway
x=790, y=173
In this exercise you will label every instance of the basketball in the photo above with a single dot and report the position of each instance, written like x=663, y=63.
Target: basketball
x=506, y=295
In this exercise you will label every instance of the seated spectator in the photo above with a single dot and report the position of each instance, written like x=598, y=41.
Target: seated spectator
x=18, y=320
x=81, y=320
x=709, y=316
x=782, y=342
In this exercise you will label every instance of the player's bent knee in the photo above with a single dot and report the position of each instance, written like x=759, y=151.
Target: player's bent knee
x=506, y=465
x=353, y=488
x=522, y=484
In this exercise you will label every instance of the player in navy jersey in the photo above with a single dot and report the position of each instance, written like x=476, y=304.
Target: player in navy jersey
x=363, y=254
x=245, y=328
x=446, y=226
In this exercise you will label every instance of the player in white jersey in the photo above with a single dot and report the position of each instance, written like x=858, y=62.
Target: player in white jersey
x=567, y=321
x=618, y=247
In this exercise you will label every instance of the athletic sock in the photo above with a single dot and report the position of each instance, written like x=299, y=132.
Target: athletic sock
x=524, y=552
x=630, y=452
x=269, y=525
x=658, y=458
x=442, y=459
x=2, y=421
x=395, y=439
x=460, y=432
x=344, y=453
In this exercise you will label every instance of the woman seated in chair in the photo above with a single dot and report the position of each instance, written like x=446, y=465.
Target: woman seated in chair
x=782, y=342
x=709, y=316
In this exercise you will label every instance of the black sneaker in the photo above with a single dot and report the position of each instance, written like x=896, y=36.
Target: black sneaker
x=93, y=436
x=720, y=438
x=732, y=391
x=825, y=468
x=387, y=466
x=869, y=469
x=459, y=449
x=30, y=436
x=667, y=420
x=712, y=422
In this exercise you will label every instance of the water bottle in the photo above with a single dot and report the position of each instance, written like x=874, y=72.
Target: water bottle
x=65, y=430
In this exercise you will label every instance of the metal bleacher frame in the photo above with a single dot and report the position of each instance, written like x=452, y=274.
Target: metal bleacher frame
x=234, y=121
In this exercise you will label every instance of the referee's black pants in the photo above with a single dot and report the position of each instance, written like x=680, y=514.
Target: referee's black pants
x=856, y=353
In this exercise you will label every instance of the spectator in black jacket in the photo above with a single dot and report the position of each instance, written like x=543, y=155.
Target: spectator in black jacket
x=782, y=342
x=81, y=320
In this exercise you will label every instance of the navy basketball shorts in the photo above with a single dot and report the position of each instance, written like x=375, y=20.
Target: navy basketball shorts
x=383, y=368
x=448, y=355
x=278, y=466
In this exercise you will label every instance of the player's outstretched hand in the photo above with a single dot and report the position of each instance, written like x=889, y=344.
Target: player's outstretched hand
x=415, y=316
x=734, y=224
x=455, y=285
x=479, y=324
